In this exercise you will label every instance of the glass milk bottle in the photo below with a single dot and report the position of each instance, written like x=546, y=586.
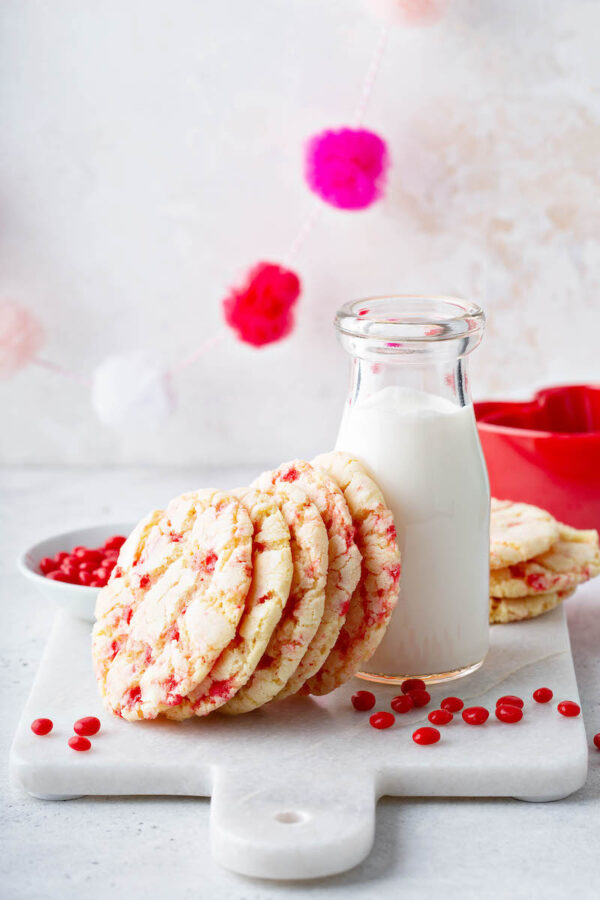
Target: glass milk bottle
x=409, y=417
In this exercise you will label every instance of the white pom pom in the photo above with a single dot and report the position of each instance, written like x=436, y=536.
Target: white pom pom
x=131, y=392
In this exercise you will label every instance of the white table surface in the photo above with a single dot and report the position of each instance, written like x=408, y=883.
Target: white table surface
x=158, y=847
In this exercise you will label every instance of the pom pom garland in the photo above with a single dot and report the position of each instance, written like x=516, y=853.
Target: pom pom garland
x=409, y=12
x=129, y=391
x=21, y=337
x=261, y=311
x=347, y=168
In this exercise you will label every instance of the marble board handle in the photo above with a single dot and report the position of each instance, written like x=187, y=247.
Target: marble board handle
x=283, y=825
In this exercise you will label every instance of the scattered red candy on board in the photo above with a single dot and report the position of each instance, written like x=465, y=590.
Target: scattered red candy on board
x=87, y=726
x=510, y=700
x=419, y=697
x=363, y=700
x=543, y=695
x=426, y=735
x=382, y=719
x=88, y=566
x=440, y=716
x=403, y=703
x=596, y=740
x=510, y=714
x=452, y=704
x=412, y=684
x=475, y=715
x=42, y=726
x=79, y=743
x=568, y=708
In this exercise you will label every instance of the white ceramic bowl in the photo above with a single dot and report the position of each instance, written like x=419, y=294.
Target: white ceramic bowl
x=77, y=598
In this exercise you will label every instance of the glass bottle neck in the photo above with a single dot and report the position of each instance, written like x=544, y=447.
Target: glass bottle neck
x=445, y=378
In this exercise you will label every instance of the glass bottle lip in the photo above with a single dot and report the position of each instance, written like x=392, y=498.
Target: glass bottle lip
x=396, y=321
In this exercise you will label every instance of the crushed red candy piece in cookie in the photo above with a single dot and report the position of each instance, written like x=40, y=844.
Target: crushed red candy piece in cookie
x=412, y=684
x=87, y=726
x=475, y=715
x=79, y=743
x=382, y=719
x=403, y=703
x=426, y=735
x=363, y=700
x=452, y=704
x=543, y=695
x=440, y=716
x=42, y=726
x=510, y=700
x=419, y=697
x=507, y=713
x=568, y=708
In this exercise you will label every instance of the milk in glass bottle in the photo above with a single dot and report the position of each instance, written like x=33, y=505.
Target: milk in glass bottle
x=409, y=417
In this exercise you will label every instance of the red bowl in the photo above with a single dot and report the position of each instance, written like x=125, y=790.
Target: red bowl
x=546, y=451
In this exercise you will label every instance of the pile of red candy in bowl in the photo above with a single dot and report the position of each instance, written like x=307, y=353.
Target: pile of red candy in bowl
x=88, y=566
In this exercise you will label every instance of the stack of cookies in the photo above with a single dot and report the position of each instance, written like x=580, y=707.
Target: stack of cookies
x=535, y=561
x=228, y=600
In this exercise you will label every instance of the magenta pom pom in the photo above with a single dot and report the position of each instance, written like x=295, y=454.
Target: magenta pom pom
x=347, y=168
x=20, y=337
x=261, y=311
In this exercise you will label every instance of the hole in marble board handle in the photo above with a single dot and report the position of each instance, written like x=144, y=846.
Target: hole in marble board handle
x=291, y=817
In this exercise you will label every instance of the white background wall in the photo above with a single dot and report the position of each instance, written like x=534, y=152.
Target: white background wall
x=151, y=151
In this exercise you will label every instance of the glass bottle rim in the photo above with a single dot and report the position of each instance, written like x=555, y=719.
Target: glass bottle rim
x=410, y=318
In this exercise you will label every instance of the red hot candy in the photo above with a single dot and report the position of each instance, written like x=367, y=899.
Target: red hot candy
x=87, y=726
x=452, y=704
x=568, y=708
x=402, y=703
x=440, y=716
x=363, y=700
x=426, y=735
x=42, y=726
x=382, y=719
x=510, y=714
x=420, y=697
x=79, y=743
x=511, y=700
x=475, y=715
x=543, y=695
x=596, y=740
x=412, y=684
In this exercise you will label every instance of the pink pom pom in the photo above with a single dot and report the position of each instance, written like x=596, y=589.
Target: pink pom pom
x=20, y=337
x=346, y=168
x=261, y=310
x=410, y=12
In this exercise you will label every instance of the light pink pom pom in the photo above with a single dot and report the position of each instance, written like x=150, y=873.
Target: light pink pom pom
x=347, y=168
x=410, y=12
x=20, y=337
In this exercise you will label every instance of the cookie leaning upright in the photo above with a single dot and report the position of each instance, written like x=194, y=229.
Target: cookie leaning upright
x=376, y=594
x=304, y=608
x=268, y=594
x=519, y=532
x=344, y=560
x=173, y=603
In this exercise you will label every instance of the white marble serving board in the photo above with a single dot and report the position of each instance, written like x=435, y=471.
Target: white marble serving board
x=294, y=786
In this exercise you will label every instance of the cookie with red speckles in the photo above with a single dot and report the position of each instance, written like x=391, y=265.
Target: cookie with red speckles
x=504, y=610
x=343, y=566
x=173, y=603
x=376, y=594
x=519, y=532
x=304, y=609
x=269, y=591
x=573, y=559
